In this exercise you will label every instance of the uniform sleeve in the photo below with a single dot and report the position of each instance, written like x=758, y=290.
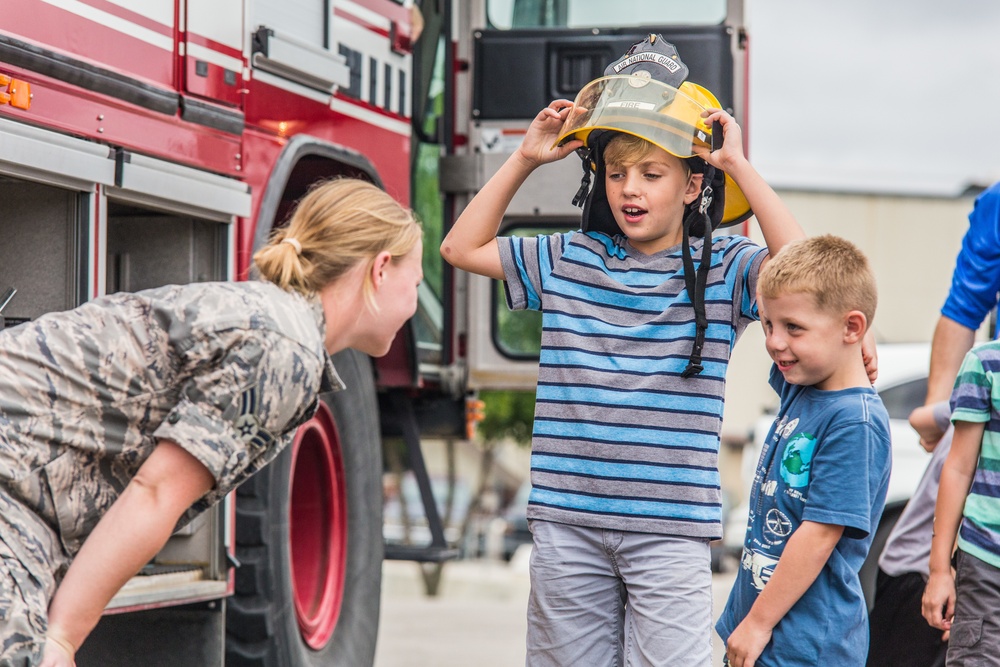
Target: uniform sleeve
x=850, y=466
x=971, y=398
x=976, y=279
x=527, y=263
x=237, y=407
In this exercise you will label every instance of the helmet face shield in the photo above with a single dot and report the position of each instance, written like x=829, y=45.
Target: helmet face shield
x=661, y=114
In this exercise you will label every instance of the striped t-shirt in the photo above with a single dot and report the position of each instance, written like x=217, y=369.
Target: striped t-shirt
x=976, y=398
x=620, y=439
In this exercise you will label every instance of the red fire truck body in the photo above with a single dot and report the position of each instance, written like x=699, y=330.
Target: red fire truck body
x=148, y=142
x=151, y=48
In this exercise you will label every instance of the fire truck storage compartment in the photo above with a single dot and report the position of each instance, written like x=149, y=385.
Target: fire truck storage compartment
x=517, y=72
x=39, y=248
x=149, y=248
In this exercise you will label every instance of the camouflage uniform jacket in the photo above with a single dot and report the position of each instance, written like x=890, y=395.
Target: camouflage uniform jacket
x=225, y=370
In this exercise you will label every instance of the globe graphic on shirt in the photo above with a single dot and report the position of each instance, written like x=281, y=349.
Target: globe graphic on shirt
x=797, y=460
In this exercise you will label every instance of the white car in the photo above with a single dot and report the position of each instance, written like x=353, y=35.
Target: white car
x=902, y=385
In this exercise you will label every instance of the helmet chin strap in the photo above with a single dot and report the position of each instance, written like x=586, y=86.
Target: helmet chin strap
x=695, y=281
x=581, y=195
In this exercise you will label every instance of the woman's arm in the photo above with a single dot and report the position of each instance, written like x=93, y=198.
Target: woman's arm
x=956, y=479
x=133, y=530
x=806, y=553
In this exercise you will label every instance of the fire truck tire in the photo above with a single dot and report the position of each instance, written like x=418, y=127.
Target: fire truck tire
x=263, y=622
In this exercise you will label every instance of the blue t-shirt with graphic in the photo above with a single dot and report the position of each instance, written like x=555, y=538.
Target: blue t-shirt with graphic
x=826, y=460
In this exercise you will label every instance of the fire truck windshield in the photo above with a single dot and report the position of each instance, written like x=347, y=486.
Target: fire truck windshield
x=512, y=14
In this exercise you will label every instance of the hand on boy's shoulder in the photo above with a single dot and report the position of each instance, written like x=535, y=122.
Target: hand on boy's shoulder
x=869, y=355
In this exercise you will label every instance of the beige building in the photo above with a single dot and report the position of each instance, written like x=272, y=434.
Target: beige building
x=912, y=243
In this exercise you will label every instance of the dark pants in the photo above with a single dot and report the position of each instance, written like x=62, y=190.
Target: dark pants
x=975, y=632
x=900, y=636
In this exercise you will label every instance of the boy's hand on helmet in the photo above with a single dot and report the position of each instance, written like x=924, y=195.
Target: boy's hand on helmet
x=731, y=153
x=536, y=147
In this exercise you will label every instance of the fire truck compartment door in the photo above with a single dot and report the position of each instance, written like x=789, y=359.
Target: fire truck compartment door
x=291, y=41
x=289, y=57
x=304, y=21
x=213, y=56
x=56, y=159
x=147, y=181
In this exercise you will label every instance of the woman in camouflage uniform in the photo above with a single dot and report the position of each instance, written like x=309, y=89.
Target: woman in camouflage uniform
x=124, y=418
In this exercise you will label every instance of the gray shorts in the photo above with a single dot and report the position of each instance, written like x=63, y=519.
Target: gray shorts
x=618, y=599
x=975, y=632
x=22, y=613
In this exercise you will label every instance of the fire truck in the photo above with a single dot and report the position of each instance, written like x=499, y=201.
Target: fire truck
x=149, y=142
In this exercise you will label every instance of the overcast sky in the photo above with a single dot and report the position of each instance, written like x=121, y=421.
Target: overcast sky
x=892, y=96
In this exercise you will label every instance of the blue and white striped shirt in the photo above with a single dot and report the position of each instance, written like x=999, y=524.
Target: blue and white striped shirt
x=620, y=440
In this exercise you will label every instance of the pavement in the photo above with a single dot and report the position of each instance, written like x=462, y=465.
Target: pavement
x=477, y=618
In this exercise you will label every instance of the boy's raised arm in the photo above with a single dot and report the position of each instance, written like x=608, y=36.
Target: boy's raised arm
x=776, y=221
x=807, y=551
x=471, y=244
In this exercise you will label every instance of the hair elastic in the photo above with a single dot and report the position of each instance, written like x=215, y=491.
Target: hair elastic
x=294, y=243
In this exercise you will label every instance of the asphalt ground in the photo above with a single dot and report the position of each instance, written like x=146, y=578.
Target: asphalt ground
x=477, y=618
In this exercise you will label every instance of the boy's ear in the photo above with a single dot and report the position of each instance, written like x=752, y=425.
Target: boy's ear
x=693, y=187
x=855, y=327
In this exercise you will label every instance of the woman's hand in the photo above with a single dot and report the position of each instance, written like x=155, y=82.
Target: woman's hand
x=536, y=147
x=58, y=652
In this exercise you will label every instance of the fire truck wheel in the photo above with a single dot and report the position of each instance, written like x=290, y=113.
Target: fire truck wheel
x=309, y=539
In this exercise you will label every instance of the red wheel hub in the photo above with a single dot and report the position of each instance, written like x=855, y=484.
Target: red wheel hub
x=318, y=527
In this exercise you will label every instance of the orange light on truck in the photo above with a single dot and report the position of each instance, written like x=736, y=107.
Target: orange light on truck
x=19, y=94
x=15, y=92
x=475, y=412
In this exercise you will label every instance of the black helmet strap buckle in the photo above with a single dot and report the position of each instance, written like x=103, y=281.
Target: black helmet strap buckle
x=706, y=198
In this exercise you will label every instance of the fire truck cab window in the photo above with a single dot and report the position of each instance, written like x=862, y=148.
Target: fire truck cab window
x=513, y=14
x=518, y=334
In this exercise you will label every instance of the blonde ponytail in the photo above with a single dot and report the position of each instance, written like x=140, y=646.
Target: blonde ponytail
x=338, y=223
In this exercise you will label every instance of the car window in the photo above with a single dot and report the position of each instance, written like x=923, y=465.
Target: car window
x=901, y=399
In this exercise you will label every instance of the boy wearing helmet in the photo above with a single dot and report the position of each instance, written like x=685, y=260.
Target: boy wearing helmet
x=639, y=318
